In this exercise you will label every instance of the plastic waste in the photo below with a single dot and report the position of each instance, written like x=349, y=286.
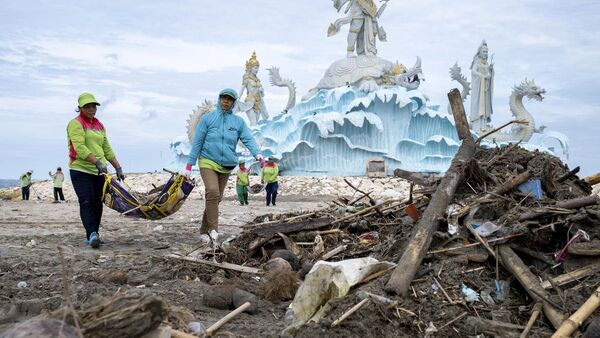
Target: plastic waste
x=369, y=237
x=534, y=187
x=502, y=289
x=485, y=229
x=469, y=294
x=326, y=281
x=452, y=212
x=198, y=329
x=22, y=285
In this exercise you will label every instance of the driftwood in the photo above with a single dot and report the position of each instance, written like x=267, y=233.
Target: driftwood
x=568, y=175
x=537, y=308
x=334, y=252
x=121, y=316
x=573, y=275
x=593, y=179
x=496, y=328
x=213, y=328
x=421, y=239
x=349, y=312
x=528, y=280
x=504, y=153
x=572, y=323
x=591, y=248
x=574, y=203
x=286, y=228
x=223, y=265
x=416, y=178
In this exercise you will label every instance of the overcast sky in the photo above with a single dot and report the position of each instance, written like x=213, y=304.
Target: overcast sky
x=151, y=62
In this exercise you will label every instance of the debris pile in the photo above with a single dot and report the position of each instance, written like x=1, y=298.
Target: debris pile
x=520, y=237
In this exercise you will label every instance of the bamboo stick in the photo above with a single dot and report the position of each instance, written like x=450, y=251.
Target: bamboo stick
x=534, y=314
x=572, y=323
x=349, y=312
x=227, y=318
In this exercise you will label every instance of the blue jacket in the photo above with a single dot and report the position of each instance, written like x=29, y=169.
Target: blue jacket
x=217, y=135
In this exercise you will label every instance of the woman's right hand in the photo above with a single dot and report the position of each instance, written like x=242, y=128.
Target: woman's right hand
x=101, y=167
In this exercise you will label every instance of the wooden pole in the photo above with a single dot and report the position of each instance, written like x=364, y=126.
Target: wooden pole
x=569, y=326
x=593, y=179
x=213, y=328
x=574, y=203
x=529, y=281
x=421, y=238
x=534, y=314
x=349, y=312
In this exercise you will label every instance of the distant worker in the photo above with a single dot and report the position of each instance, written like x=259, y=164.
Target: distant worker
x=58, y=178
x=214, y=143
x=269, y=176
x=88, y=152
x=25, y=184
x=242, y=183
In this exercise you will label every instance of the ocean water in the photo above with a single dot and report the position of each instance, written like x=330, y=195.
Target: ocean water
x=5, y=183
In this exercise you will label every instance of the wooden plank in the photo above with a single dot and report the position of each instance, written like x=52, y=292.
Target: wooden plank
x=286, y=228
x=572, y=276
x=574, y=203
x=222, y=265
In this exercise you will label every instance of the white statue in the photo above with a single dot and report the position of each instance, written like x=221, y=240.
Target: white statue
x=482, y=88
x=362, y=16
x=253, y=105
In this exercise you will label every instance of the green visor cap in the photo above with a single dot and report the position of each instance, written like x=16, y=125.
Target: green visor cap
x=86, y=98
x=229, y=92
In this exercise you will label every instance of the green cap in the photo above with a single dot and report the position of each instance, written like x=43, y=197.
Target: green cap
x=272, y=158
x=86, y=98
x=242, y=162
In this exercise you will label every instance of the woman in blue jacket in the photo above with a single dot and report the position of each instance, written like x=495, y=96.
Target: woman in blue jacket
x=214, y=143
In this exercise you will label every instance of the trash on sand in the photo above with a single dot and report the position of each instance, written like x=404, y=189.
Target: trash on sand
x=197, y=328
x=469, y=294
x=22, y=285
x=326, y=281
x=581, y=235
x=452, y=211
x=532, y=186
x=485, y=229
x=158, y=228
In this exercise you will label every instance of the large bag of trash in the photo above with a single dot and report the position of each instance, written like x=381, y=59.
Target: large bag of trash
x=158, y=203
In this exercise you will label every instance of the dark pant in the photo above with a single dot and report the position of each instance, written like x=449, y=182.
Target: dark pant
x=58, y=193
x=271, y=189
x=25, y=193
x=88, y=188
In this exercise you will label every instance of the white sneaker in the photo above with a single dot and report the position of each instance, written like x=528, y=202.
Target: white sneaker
x=204, y=238
x=214, y=235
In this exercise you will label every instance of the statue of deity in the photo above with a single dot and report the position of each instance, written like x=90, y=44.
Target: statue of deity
x=253, y=105
x=362, y=16
x=482, y=86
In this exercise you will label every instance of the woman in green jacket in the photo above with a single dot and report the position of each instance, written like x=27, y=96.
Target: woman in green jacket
x=89, y=151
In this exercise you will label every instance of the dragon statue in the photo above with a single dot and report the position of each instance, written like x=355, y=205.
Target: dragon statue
x=527, y=88
x=276, y=80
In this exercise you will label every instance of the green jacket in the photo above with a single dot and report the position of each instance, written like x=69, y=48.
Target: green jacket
x=270, y=173
x=58, y=180
x=243, y=177
x=25, y=180
x=87, y=137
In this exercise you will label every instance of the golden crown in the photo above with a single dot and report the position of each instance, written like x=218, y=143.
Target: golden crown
x=252, y=62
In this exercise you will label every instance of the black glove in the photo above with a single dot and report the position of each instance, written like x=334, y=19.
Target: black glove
x=101, y=167
x=120, y=175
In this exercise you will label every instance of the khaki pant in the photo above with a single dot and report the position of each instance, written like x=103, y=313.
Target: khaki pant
x=214, y=184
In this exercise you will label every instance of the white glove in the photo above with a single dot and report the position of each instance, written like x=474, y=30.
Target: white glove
x=261, y=159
